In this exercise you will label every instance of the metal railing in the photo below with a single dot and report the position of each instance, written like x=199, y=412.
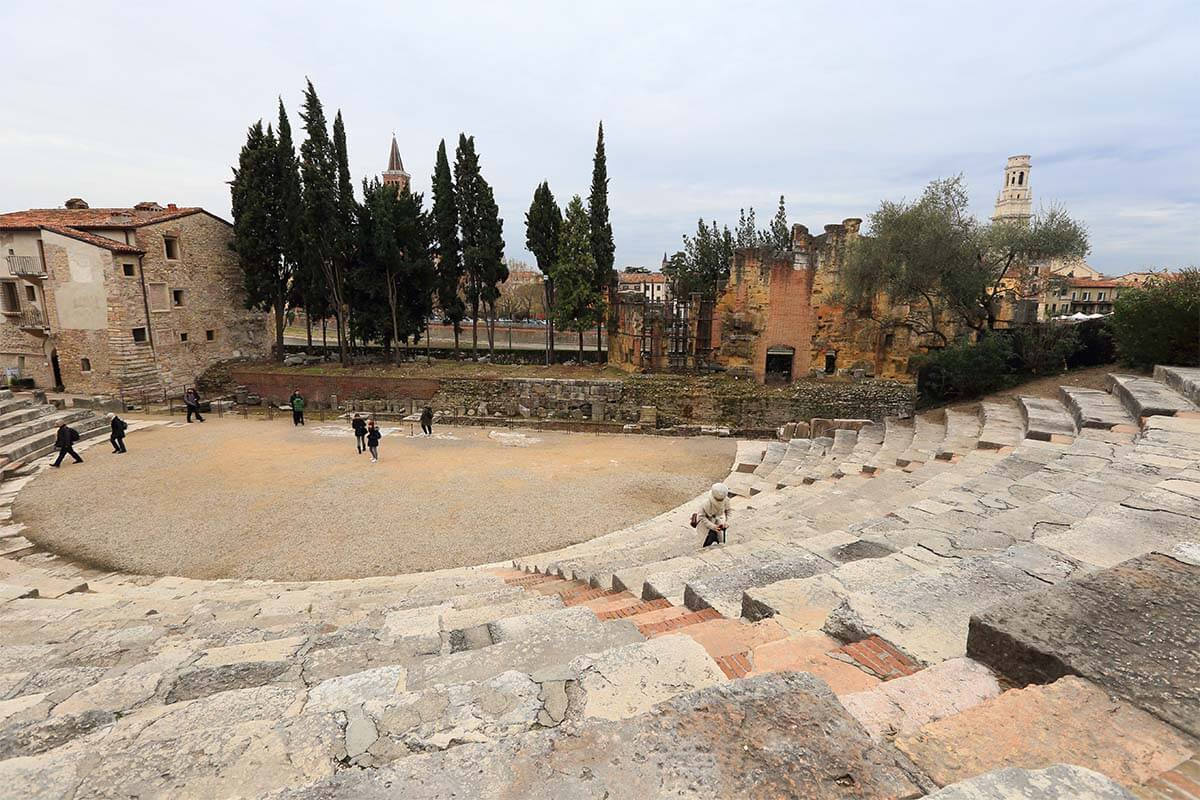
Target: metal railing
x=32, y=317
x=26, y=266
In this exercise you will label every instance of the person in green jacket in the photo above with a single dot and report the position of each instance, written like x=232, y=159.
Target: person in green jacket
x=296, y=401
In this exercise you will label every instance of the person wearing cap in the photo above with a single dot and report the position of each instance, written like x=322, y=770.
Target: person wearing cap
x=714, y=514
x=117, y=437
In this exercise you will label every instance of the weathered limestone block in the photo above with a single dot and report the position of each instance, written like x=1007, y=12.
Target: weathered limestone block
x=1133, y=629
x=1052, y=783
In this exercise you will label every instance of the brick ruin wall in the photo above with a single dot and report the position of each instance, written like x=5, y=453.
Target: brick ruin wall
x=678, y=399
x=789, y=300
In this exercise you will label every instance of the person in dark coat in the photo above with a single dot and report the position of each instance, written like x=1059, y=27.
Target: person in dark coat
x=296, y=401
x=117, y=438
x=191, y=399
x=360, y=432
x=427, y=421
x=373, y=437
x=65, y=442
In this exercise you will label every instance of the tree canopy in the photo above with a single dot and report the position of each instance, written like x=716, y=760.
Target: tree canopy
x=577, y=302
x=933, y=254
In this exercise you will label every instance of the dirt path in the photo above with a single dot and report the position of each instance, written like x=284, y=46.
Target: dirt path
x=257, y=499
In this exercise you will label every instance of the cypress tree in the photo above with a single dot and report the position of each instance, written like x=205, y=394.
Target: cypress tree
x=344, y=241
x=482, y=237
x=780, y=234
x=601, y=233
x=256, y=240
x=447, y=249
x=542, y=224
x=288, y=212
x=574, y=273
x=322, y=213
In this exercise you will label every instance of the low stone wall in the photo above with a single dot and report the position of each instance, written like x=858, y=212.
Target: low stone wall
x=677, y=399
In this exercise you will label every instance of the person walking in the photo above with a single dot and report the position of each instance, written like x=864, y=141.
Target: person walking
x=117, y=437
x=360, y=432
x=714, y=515
x=191, y=399
x=296, y=401
x=427, y=421
x=373, y=436
x=65, y=442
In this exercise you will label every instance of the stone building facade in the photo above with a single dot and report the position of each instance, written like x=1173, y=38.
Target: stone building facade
x=779, y=319
x=121, y=300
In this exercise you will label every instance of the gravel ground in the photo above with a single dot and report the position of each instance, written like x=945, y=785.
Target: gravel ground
x=234, y=498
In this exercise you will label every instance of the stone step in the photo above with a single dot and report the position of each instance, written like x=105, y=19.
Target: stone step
x=928, y=432
x=1184, y=380
x=1070, y=721
x=625, y=681
x=675, y=623
x=671, y=577
x=897, y=438
x=926, y=615
x=1058, y=781
x=1092, y=408
x=749, y=455
x=735, y=727
x=41, y=443
x=14, y=573
x=815, y=653
x=843, y=445
x=1111, y=627
x=1002, y=425
x=723, y=589
x=1046, y=420
x=870, y=440
x=43, y=422
x=526, y=646
x=1181, y=783
x=20, y=403
x=962, y=434
x=905, y=704
x=1146, y=397
x=775, y=453
x=25, y=414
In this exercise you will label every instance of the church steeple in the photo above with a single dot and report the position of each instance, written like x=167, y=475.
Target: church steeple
x=395, y=175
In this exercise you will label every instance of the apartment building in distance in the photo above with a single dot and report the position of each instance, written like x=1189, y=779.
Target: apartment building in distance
x=121, y=300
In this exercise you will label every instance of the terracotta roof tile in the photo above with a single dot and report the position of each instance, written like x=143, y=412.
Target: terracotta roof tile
x=93, y=239
x=90, y=217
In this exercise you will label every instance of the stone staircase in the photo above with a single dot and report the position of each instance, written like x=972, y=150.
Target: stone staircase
x=28, y=427
x=974, y=603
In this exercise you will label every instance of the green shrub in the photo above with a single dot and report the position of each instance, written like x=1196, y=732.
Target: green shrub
x=1044, y=348
x=1159, y=323
x=964, y=370
x=1095, y=344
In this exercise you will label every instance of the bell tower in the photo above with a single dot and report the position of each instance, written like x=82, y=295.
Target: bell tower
x=1015, y=201
x=395, y=175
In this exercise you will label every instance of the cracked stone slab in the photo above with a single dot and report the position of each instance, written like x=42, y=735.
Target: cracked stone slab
x=905, y=704
x=926, y=615
x=723, y=741
x=1133, y=629
x=628, y=680
x=1045, y=419
x=723, y=590
x=351, y=691
x=1146, y=397
x=1069, y=721
x=1052, y=783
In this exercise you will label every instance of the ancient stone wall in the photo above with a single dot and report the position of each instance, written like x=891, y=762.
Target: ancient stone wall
x=786, y=301
x=678, y=399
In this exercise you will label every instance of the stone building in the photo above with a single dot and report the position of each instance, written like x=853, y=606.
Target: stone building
x=121, y=300
x=653, y=285
x=1015, y=201
x=779, y=318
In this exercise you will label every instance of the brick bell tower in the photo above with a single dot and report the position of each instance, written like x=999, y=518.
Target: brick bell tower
x=1015, y=201
x=395, y=175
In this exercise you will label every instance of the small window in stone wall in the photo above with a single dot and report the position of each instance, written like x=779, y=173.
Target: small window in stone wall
x=139, y=334
x=210, y=335
x=85, y=365
x=177, y=297
x=10, y=300
x=183, y=337
x=158, y=297
x=171, y=247
x=31, y=294
x=128, y=270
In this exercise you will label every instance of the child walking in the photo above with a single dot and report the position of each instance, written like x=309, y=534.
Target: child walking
x=373, y=436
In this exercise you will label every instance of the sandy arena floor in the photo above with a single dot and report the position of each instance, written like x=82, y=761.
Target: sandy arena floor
x=258, y=499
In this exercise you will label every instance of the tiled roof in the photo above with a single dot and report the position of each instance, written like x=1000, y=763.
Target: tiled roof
x=89, y=217
x=93, y=239
x=642, y=277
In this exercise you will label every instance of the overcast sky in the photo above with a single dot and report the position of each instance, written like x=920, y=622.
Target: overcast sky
x=707, y=107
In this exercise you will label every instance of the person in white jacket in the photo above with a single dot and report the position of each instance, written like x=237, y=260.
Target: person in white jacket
x=714, y=514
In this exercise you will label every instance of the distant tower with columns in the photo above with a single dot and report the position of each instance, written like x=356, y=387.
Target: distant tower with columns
x=1015, y=201
x=395, y=175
